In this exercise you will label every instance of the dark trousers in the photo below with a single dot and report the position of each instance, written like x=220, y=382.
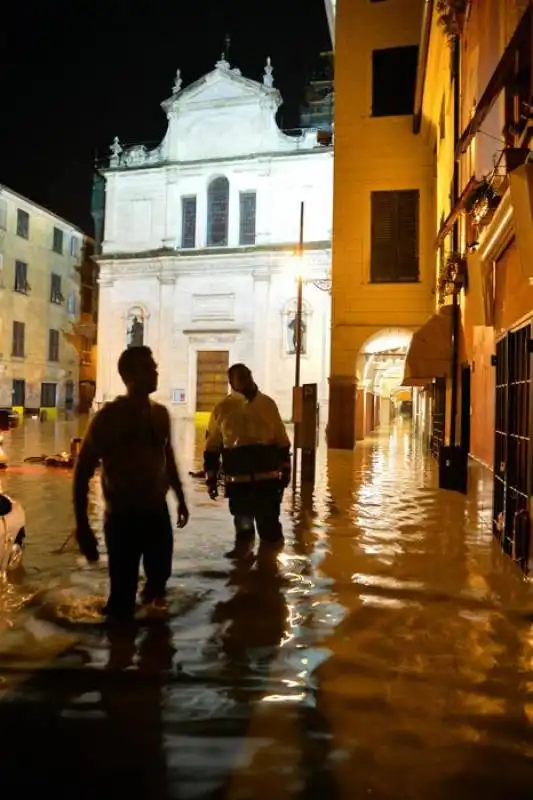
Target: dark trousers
x=131, y=537
x=256, y=505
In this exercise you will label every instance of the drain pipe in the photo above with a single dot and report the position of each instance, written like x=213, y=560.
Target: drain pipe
x=456, y=63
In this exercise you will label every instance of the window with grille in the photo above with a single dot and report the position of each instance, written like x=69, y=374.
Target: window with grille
x=55, y=289
x=19, y=330
x=393, y=81
x=217, y=212
x=53, y=345
x=48, y=395
x=188, y=222
x=394, y=237
x=247, y=207
x=57, y=243
x=21, y=278
x=23, y=224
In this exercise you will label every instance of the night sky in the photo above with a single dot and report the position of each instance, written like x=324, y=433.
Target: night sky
x=75, y=74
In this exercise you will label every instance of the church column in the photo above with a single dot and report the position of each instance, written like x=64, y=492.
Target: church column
x=165, y=338
x=261, y=290
x=105, y=329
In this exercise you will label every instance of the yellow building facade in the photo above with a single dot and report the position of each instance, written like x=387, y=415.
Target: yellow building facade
x=39, y=301
x=383, y=260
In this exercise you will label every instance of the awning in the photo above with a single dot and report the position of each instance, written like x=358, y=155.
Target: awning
x=430, y=352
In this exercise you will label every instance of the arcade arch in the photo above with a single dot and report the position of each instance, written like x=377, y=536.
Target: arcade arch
x=380, y=370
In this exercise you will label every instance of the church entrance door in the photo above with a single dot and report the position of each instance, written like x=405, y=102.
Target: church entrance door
x=211, y=378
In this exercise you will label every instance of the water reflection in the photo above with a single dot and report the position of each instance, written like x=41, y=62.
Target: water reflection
x=386, y=652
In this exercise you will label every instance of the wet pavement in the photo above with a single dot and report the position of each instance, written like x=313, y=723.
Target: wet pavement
x=387, y=652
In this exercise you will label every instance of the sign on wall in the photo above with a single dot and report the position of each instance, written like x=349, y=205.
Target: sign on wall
x=178, y=395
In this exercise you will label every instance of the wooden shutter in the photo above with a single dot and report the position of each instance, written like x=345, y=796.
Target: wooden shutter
x=394, y=255
x=383, y=253
x=407, y=266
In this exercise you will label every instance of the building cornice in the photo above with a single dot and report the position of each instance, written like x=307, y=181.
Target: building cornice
x=319, y=150
x=167, y=267
x=211, y=253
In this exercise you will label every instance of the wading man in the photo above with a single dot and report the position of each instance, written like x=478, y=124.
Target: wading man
x=246, y=431
x=131, y=437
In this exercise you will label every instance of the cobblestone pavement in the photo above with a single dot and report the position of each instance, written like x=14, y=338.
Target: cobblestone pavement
x=387, y=653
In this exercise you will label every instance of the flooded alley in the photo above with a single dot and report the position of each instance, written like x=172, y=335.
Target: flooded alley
x=386, y=653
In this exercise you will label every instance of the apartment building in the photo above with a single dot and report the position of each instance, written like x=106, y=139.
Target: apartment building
x=39, y=301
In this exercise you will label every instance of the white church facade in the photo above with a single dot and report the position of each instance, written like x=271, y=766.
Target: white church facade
x=199, y=258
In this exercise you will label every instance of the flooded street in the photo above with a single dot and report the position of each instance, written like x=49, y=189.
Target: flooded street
x=387, y=653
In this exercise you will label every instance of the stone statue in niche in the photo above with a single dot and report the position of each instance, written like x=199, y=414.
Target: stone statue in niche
x=292, y=335
x=136, y=333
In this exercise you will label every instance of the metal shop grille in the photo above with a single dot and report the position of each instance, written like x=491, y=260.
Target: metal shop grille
x=512, y=473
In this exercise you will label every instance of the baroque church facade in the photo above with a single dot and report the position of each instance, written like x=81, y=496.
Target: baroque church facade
x=199, y=258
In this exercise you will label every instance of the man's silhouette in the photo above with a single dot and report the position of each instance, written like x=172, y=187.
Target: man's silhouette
x=131, y=436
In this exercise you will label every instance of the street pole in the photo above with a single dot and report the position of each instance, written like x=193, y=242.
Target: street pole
x=297, y=365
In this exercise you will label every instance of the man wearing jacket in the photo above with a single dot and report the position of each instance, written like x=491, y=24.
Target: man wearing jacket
x=246, y=431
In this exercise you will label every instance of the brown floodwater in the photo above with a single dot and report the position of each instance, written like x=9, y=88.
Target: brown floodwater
x=386, y=653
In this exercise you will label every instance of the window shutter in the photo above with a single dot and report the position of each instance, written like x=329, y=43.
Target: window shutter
x=383, y=254
x=407, y=264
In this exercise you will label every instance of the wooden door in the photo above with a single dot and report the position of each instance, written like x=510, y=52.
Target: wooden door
x=211, y=378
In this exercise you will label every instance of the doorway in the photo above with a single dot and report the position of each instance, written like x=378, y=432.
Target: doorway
x=512, y=449
x=211, y=378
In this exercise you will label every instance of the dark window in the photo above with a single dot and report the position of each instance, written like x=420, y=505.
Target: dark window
x=393, y=81
x=21, y=277
x=57, y=244
x=53, y=345
x=48, y=395
x=23, y=224
x=247, y=218
x=55, y=289
x=217, y=212
x=394, y=257
x=18, y=393
x=188, y=222
x=19, y=330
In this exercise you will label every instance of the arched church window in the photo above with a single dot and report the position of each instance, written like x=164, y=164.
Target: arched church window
x=135, y=330
x=217, y=212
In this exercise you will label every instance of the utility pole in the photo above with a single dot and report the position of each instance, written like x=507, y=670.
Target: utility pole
x=299, y=301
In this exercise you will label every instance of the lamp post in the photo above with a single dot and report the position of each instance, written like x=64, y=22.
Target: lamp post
x=298, y=342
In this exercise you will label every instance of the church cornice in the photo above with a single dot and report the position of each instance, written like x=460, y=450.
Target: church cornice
x=210, y=252
x=320, y=149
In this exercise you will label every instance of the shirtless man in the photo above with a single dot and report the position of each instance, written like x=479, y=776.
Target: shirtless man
x=131, y=436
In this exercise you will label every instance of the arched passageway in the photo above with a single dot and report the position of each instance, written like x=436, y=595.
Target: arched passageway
x=380, y=369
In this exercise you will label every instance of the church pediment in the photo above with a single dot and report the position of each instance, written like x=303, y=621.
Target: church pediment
x=222, y=86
